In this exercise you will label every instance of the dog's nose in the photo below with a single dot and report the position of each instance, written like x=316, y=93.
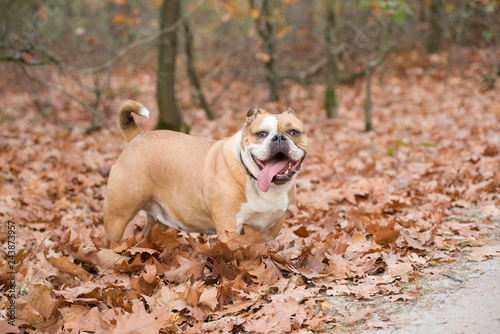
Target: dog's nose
x=279, y=138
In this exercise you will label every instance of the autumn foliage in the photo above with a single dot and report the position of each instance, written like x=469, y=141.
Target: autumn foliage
x=374, y=212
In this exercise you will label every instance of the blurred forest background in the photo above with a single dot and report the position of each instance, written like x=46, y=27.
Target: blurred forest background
x=86, y=53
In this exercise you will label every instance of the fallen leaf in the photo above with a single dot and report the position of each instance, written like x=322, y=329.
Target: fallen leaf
x=209, y=298
x=383, y=234
x=140, y=321
x=188, y=268
x=479, y=254
x=399, y=269
x=359, y=243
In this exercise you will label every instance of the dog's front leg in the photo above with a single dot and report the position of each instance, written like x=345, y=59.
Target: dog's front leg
x=224, y=224
x=273, y=232
x=225, y=203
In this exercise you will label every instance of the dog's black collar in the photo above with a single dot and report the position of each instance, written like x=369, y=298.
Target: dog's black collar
x=246, y=168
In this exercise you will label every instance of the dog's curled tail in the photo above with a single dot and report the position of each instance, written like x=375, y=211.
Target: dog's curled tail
x=127, y=123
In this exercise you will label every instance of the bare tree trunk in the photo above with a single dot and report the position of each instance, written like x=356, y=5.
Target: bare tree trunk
x=421, y=11
x=434, y=41
x=372, y=66
x=170, y=117
x=266, y=32
x=193, y=76
x=368, y=100
x=98, y=117
x=462, y=21
x=331, y=103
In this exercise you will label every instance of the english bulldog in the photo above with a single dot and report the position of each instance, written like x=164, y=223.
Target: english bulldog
x=200, y=185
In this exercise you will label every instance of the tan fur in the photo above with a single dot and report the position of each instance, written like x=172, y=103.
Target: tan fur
x=199, y=183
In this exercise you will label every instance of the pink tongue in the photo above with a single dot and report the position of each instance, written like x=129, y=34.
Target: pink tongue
x=265, y=176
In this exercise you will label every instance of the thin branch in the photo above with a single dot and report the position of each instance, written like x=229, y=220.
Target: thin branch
x=124, y=51
x=24, y=57
x=49, y=58
x=56, y=87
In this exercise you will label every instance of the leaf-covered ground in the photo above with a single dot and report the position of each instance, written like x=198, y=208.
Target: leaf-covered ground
x=375, y=211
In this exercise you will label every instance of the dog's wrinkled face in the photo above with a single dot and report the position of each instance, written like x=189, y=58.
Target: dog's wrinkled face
x=273, y=147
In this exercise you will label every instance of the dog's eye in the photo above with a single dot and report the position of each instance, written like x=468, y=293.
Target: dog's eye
x=294, y=133
x=261, y=134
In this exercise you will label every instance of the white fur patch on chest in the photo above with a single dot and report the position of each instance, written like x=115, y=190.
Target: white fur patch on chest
x=262, y=210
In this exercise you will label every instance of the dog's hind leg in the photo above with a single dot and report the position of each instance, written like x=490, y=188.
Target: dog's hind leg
x=150, y=224
x=116, y=219
x=121, y=205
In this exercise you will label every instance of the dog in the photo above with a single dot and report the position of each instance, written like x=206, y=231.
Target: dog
x=199, y=185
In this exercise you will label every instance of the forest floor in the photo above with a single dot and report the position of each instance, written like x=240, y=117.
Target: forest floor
x=390, y=231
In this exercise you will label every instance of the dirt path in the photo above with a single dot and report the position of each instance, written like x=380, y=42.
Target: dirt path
x=459, y=297
x=464, y=300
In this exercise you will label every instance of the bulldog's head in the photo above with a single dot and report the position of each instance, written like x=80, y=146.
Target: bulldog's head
x=273, y=147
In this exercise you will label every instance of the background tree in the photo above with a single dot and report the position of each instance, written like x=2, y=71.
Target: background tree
x=332, y=66
x=170, y=116
x=389, y=12
x=435, y=23
x=263, y=15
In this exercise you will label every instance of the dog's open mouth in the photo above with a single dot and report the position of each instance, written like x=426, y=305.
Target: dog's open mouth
x=279, y=170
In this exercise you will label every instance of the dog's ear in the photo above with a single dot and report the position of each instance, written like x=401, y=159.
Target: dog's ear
x=290, y=111
x=253, y=111
x=252, y=114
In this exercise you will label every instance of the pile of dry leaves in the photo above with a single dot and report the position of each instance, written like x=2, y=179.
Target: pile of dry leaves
x=373, y=210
